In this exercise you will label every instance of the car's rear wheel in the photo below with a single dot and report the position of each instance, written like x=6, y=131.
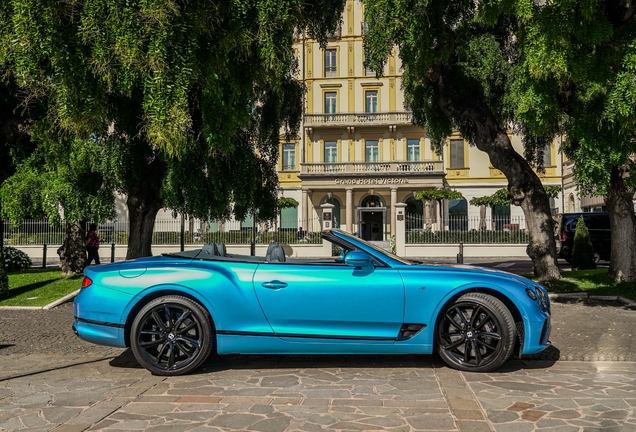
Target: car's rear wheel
x=475, y=333
x=171, y=335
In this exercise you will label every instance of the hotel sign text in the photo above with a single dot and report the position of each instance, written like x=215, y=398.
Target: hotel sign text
x=372, y=181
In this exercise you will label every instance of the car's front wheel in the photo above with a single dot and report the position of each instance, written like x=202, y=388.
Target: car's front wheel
x=171, y=335
x=475, y=333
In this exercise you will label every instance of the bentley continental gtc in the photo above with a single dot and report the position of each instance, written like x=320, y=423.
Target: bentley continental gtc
x=174, y=310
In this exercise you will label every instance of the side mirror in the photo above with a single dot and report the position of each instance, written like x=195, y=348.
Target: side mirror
x=358, y=259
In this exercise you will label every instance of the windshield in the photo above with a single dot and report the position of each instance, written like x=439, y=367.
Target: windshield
x=376, y=248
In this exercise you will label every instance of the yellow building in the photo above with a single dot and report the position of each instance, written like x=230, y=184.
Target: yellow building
x=359, y=151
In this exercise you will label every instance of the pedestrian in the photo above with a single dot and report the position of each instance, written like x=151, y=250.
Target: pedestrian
x=92, y=244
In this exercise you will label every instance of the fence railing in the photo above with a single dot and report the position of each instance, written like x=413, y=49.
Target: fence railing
x=464, y=229
x=454, y=229
x=168, y=232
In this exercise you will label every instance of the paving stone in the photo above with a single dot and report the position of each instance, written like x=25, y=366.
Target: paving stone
x=234, y=421
x=432, y=422
x=60, y=414
x=500, y=416
x=271, y=425
x=473, y=426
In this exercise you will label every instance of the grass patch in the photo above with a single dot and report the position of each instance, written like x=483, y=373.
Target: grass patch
x=593, y=282
x=39, y=287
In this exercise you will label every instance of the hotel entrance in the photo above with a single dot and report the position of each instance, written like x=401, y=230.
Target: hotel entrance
x=372, y=219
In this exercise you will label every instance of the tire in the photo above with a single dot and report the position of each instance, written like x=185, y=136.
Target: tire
x=171, y=336
x=476, y=333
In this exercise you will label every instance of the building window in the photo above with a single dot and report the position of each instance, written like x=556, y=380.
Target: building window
x=413, y=150
x=330, y=105
x=330, y=63
x=547, y=156
x=457, y=154
x=371, y=151
x=331, y=152
x=371, y=105
x=289, y=157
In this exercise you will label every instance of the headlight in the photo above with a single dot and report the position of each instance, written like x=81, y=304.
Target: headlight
x=543, y=298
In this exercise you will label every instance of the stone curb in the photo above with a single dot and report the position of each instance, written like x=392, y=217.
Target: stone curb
x=586, y=296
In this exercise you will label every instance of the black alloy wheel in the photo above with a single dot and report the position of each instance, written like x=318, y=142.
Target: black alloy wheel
x=171, y=335
x=475, y=333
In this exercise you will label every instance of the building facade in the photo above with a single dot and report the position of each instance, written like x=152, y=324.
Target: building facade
x=358, y=150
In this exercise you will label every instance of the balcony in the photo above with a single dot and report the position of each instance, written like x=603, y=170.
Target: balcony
x=420, y=167
x=358, y=119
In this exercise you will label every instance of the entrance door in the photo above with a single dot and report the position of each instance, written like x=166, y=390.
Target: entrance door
x=372, y=224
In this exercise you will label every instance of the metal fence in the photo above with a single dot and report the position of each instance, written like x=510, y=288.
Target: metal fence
x=464, y=229
x=169, y=232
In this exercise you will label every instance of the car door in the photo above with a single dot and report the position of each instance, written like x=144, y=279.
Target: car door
x=331, y=300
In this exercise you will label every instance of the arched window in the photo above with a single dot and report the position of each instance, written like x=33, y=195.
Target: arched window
x=571, y=206
x=335, y=212
x=414, y=214
x=372, y=201
x=458, y=214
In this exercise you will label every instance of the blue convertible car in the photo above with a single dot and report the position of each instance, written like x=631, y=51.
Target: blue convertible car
x=174, y=310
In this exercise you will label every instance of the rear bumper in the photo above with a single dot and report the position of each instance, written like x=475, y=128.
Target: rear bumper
x=100, y=333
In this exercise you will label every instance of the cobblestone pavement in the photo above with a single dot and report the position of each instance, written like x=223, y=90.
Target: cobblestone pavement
x=51, y=380
x=334, y=393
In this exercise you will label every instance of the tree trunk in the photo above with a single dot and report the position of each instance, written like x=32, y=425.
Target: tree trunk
x=144, y=202
x=72, y=253
x=523, y=183
x=622, y=225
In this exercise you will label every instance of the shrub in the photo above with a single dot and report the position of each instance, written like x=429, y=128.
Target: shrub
x=15, y=259
x=4, y=284
x=582, y=250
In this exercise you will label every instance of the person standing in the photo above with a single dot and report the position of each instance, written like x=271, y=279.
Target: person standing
x=92, y=244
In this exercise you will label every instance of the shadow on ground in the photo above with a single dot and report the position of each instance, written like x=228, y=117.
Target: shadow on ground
x=216, y=363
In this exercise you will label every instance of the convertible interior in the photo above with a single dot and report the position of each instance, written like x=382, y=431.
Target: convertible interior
x=275, y=254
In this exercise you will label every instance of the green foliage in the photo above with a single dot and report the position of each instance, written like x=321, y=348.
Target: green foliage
x=62, y=173
x=285, y=202
x=14, y=259
x=438, y=195
x=4, y=282
x=582, y=250
x=500, y=197
x=187, y=100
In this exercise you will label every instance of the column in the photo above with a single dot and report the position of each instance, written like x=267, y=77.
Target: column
x=400, y=229
x=327, y=223
x=393, y=203
x=349, y=204
x=305, y=211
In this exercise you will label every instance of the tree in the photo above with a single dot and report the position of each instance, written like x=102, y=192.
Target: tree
x=459, y=74
x=192, y=94
x=578, y=77
x=582, y=250
x=63, y=174
x=438, y=195
x=15, y=145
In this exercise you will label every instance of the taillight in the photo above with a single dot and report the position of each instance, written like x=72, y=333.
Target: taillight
x=563, y=236
x=86, y=282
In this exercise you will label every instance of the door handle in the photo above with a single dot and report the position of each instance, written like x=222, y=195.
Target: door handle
x=275, y=284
